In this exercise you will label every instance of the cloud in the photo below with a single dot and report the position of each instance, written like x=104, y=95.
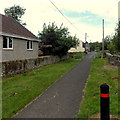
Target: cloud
x=85, y=17
x=88, y=17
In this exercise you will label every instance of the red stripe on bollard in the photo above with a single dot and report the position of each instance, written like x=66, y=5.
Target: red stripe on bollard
x=104, y=95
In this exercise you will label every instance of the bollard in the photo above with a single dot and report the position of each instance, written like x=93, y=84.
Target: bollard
x=104, y=102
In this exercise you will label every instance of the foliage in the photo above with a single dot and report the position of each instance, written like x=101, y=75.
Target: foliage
x=107, y=42
x=16, y=13
x=59, y=38
x=116, y=39
x=112, y=44
x=77, y=55
x=95, y=46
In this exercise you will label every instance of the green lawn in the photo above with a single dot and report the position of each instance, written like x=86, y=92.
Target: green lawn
x=21, y=89
x=91, y=100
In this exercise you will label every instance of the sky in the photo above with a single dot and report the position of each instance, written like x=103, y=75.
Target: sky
x=85, y=16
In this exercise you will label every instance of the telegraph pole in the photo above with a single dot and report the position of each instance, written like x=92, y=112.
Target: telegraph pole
x=85, y=40
x=85, y=37
x=103, y=40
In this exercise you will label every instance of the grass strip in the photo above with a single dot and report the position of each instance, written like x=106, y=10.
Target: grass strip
x=77, y=55
x=19, y=90
x=91, y=100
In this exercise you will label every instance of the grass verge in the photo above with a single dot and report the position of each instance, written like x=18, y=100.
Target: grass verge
x=77, y=55
x=19, y=90
x=91, y=100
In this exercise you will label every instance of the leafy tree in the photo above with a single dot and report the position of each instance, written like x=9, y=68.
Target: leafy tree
x=59, y=38
x=111, y=48
x=116, y=39
x=107, y=42
x=113, y=43
x=15, y=12
x=95, y=46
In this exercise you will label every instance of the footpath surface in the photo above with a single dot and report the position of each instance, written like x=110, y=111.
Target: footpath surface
x=62, y=99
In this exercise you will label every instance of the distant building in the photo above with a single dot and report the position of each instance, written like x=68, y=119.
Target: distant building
x=119, y=10
x=79, y=48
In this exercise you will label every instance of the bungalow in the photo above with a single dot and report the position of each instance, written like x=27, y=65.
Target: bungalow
x=79, y=48
x=16, y=42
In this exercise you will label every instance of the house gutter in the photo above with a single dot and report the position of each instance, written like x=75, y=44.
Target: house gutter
x=21, y=37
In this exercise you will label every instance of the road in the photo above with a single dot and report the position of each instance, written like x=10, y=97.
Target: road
x=62, y=99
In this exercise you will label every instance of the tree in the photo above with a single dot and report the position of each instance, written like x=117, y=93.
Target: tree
x=116, y=38
x=112, y=43
x=95, y=46
x=92, y=46
x=107, y=42
x=16, y=13
x=59, y=38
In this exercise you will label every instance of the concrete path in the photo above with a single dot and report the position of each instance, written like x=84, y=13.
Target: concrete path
x=62, y=99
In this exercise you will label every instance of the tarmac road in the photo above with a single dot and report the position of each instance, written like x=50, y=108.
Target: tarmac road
x=62, y=99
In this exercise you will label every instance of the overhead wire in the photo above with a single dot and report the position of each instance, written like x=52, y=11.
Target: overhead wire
x=64, y=15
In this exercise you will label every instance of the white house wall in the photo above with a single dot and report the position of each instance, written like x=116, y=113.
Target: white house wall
x=78, y=49
x=20, y=51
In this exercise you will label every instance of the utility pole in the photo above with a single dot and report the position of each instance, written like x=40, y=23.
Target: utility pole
x=85, y=37
x=85, y=40
x=90, y=45
x=103, y=40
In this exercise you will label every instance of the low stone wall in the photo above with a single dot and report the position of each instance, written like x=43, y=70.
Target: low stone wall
x=113, y=59
x=22, y=66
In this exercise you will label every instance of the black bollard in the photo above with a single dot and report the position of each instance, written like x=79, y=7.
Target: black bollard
x=104, y=102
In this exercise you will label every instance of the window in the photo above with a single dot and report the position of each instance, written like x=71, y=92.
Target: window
x=7, y=42
x=29, y=45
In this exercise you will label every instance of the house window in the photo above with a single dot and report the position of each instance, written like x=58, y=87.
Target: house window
x=29, y=45
x=7, y=42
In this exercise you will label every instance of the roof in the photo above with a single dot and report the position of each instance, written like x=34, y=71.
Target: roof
x=11, y=27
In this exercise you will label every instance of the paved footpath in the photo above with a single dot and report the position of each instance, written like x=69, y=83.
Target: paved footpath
x=62, y=99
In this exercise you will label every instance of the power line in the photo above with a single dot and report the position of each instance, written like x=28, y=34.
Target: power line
x=64, y=16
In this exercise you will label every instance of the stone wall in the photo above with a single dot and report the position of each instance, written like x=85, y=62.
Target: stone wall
x=22, y=66
x=113, y=59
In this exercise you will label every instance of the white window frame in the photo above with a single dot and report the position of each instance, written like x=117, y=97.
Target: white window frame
x=8, y=41
x=29, y=47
